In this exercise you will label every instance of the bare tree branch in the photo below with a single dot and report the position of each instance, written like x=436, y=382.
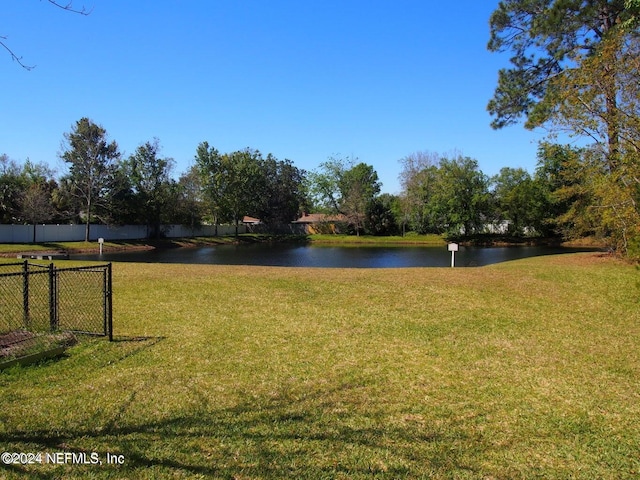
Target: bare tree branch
x=68, y=7
x=14, y=57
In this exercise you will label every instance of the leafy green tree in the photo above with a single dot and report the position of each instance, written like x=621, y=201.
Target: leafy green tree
x=230, y=182
x=550, y=39
x=565, y=186
x=521, y=200
x=359, y=187
x=92, y=169
x=324, y=185
x=155, y=192
x=36, y=204
x=190, y=209
x=428, y=212
x=344, y=187
x=27, y=193
x=380, y=217
x=416, y=179
x=614, y=167
x=588, y=200
x=462, y=201
x=212, y=181
x=283, y=194
x=450, y=196
x=122, y=199
x=12, y=184
x=424, y=193
x=575, y=68
x=242, y=174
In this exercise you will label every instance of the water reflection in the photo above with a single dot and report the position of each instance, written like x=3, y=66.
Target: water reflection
x=330, y=256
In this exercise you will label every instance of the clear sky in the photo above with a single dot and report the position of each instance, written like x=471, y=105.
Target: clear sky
x=303, y=80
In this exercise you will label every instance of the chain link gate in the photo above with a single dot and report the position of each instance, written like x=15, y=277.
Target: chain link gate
x=40, y=303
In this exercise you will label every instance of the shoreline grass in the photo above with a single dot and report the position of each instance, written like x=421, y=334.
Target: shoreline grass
x=525, y=369
x=7, y=249
x=425, y=240
x=11, y=249
x=411, y=239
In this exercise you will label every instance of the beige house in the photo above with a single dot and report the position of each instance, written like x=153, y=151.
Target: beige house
x=321, y=222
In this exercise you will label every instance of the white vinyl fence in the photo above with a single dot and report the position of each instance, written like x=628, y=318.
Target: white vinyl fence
x=75, y=233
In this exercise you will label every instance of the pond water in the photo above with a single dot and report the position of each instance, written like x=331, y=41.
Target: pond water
x=329, y=256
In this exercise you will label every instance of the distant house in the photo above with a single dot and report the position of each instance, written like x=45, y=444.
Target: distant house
x=251, y=224
x=322, y=222
x=247, y=220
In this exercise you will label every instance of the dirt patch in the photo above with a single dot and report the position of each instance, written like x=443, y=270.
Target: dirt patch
x=14, y=337
x=19, y=343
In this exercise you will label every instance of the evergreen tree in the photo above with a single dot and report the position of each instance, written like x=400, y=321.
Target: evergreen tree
x=92, y=170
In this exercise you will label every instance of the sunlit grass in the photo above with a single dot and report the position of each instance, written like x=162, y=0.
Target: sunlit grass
x=17, y=248
x=6, y=248
x=527, y=369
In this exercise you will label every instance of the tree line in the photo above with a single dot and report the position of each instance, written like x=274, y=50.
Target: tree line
x=444, y=194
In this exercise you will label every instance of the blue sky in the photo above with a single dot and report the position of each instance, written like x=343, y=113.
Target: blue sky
x=303, y=80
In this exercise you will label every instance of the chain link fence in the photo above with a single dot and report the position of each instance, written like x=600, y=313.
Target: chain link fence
x=44, y=308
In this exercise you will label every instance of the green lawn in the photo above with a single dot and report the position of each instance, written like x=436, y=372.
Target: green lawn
x=527, y=369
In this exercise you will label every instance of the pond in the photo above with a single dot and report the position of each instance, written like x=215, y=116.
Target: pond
x=286, y=255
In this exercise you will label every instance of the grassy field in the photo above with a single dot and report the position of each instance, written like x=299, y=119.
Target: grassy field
x=526, y=369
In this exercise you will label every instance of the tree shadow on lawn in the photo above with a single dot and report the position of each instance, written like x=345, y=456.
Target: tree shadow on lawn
x=280, y=436
x=121, y=348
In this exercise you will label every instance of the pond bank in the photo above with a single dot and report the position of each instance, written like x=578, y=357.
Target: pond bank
x=70, y=248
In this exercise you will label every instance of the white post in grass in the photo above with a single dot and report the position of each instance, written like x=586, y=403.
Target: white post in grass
x=100, y=242
x=453, y=248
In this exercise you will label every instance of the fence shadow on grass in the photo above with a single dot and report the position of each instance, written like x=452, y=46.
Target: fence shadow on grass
x=283, y=436
x=123, y=347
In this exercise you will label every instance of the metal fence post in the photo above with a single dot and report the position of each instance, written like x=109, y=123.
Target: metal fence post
x=109, y=302
x=25, y=293
x=53, y=298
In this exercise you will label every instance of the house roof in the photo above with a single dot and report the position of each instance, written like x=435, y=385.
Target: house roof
x=319, y=218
